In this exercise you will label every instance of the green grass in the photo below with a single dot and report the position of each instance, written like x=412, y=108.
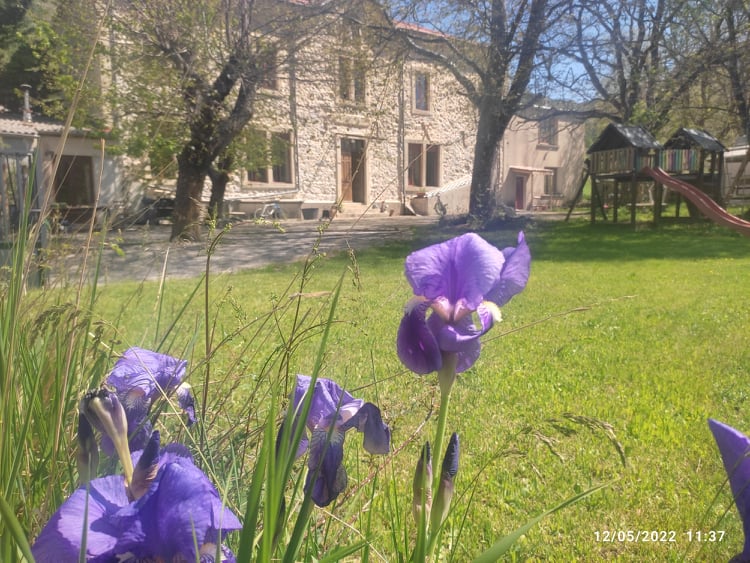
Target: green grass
x=623, y=338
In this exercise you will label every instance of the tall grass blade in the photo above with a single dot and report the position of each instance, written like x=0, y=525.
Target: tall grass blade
x=300, y=526
x=342, y=552
x=12, y=524
x=502, y=546
x=252, y=510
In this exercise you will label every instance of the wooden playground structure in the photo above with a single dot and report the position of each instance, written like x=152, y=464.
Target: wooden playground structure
x=629, y=169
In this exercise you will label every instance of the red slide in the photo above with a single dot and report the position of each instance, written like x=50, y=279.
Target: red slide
x=705, y=204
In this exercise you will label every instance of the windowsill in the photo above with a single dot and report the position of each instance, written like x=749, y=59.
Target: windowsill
x=352, y=105
x=270, y=92
x=413, y=191
x=268, y=186
x=547, y=147
x=416, y=111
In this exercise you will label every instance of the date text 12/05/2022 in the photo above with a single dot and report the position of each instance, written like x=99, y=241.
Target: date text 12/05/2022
x=666, y=536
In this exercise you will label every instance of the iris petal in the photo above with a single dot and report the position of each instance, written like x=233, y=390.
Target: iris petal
x=461, y=338
x=303, y=441
x=465, y=267
x=147, y=371
x=186, y=401
x=515, y=273
x=377, y=434
x=735, y=449
x=60, y=539
x=416, y=345
x=158, y=526
x=329, y=401
x=188, y=503
x=139, y=378
x=326, y=476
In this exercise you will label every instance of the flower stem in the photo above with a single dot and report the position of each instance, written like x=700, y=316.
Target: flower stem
x=446, y=377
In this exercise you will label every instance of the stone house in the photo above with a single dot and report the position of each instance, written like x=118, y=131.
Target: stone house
x=349, y=122
x=354, y=130
x=355, y=125
x=542, y=160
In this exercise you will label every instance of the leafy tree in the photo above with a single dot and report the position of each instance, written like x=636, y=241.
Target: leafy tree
x=217, y=53
x=733, y=33
x=19, y=63
x=215, y=64
x=642, y=61
x=493, y=49
x=734, y=26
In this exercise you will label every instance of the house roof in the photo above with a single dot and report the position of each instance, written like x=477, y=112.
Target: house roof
x=619, y=136
x=553, y=108
x=413, y=27
x=685, y=138
x=530, y=169
x=15, y=126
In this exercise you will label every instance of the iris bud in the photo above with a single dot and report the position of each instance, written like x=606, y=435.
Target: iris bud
x=423, y=485
x=105, y=413
x=445, y=488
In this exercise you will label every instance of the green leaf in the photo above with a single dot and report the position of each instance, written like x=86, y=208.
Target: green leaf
x=12, y=524
x=339, y=553
x=501, y=547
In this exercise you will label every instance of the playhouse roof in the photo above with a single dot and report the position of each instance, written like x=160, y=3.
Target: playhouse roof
x=685, y=138
x=619, y=136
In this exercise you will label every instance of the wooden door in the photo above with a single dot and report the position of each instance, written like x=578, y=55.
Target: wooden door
x=74, y=180
x=346, y=171
x=520, y=192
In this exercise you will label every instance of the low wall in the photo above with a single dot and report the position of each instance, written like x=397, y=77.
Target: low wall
x=291, y=208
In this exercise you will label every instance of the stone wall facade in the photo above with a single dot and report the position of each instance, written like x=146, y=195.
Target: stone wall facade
x=356, y=145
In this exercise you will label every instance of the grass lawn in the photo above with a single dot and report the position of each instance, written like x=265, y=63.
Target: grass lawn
x=604, y=370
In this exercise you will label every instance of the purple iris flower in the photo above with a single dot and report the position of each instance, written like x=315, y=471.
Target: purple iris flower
x=176, y=509
x=734, y=447
x=332, y=412
x=140, y=377
x=462, y=283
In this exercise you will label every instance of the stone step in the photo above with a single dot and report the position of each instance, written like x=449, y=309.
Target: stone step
x=352, y=210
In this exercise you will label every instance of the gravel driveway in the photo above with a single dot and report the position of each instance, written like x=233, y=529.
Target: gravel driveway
x=146, y=250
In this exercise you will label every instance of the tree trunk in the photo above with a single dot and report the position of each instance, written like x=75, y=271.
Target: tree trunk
x=219, y=181
x=490, y=130
x=191, y=176
x=219, y=176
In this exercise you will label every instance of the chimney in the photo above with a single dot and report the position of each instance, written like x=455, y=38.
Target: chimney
x=26, y=102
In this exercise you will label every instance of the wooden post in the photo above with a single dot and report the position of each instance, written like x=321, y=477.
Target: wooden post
x=633, y=195
x=616, y=200
x=594, y=196
x=658, y=193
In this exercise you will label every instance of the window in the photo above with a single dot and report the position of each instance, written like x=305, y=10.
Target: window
x=274, y=159
x=281, y=158
x=422, y=91
x=548, y=132
x=351, y=80
x=268, y=68
x=550, y=182
x=424, y=165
